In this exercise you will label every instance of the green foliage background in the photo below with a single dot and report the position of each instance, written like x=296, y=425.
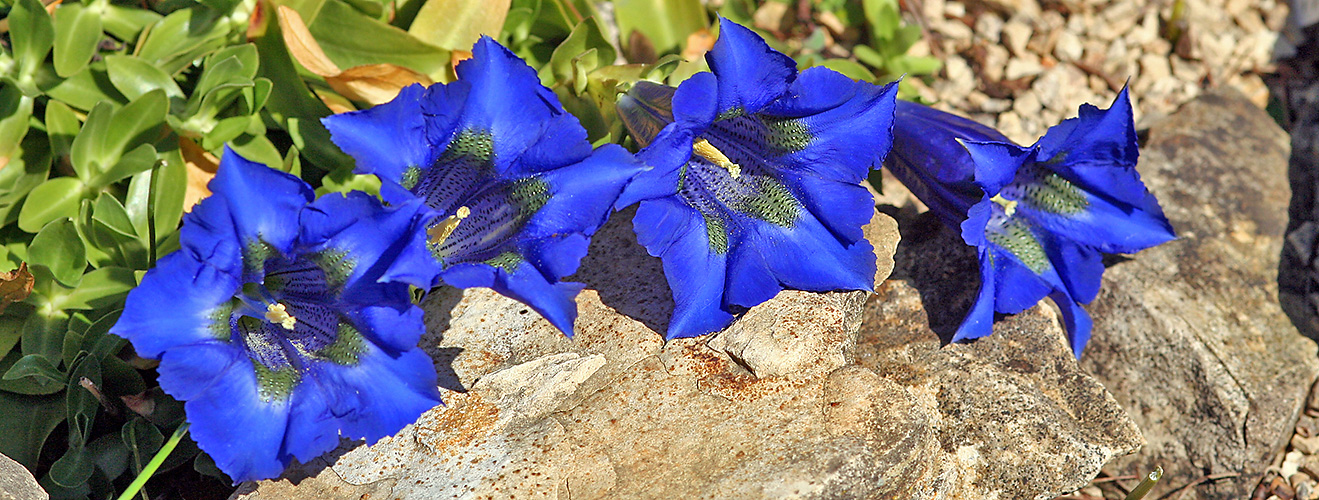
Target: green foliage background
x=107, y=105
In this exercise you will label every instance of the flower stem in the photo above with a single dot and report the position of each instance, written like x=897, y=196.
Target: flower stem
x=1146, y=485
x=150, y=469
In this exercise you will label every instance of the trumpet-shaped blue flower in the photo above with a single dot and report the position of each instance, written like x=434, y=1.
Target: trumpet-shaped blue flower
x=1040, y=217
x=512, y=182
x=273, y=326
x=755, y=180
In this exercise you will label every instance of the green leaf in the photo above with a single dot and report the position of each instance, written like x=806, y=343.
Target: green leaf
x=143, y=440
x=109, y=454
x=15, y=113
x=850, y=69
x=77, y=33
x=81, y=404
x=667, y=23
x=103, y=287
x=61, y=127
x=373, y=42
x=124, y=22
x=44, y=335
x=38, y=367
x=569, y=55
x=24, y=173
x=112, y=213
x=88, y=151
x=134, y=77
x=345, y=181
x=297, y=110
x=140, y=159
x=58, y=248
x=884, y=19
x=85, y=89
x=11, y=330
x=25, y=421
x=32, y=33
x=182, y=37
x=457, y=24
x=257, y=148
x=170, y=179
x=74, y=468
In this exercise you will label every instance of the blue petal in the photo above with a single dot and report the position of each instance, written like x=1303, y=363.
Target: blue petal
x=1103, y=225
x=229, y=421
x=389, y=327
x=665, y=157
x=750, y=73
x=262, y=202
x=850, y=124
x=386, y=139
x=311, y=428
x=842, y=207
x=175, y=305
x=677, y=235
x=1077, y=321
x=1017, y=288
x=1080, y=266
x=379, y=395
x=581, y=195
x=1098, y=150
x=553, y=300
x=979, y=321
x=928, y=138
x=996, y=163
x=805, y=256
x=927, y=158
x=372, y=237
x=531, y=130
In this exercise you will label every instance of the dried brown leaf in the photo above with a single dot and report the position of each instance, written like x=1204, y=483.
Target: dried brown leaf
x=15, y=286
x=201, y=166
x=303, y=46
x=375, y=83
x=698, y=44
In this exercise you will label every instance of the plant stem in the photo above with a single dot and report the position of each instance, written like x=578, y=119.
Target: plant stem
x=150, y=469
x=1146, y=485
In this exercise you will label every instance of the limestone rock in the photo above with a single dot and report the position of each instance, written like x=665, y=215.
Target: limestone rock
x=1189, y=335
x=16, y=483
x=798, y=399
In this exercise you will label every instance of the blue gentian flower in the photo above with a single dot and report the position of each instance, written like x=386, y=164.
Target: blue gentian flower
x=512, y=182
x=273, y=326
x=1040, y=217
x=756, y=179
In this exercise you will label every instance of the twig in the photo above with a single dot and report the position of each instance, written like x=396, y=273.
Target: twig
x=1177, y=494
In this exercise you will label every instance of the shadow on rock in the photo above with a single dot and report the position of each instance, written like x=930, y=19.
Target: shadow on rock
x=627, y=278
x=439, y=305
x=934, y=260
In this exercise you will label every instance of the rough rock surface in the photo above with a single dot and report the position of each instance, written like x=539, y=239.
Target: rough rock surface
x=16, y=483
x=1189, y=335
x=797, y=400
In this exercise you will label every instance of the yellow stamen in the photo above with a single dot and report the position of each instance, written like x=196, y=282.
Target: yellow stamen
x=277, y=313
x=441, y=231
x=1009, y=206
x=704, y=149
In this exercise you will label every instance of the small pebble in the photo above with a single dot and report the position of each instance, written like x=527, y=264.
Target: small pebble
x=1306, y=445
x=1291, y=463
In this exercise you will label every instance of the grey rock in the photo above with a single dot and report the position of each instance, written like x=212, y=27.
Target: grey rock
x=1189, y=335
x=16, y=483
x=810, y=395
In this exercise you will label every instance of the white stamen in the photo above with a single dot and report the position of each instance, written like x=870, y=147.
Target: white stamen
x=277, y=313
x=441, y=231
x=704, y=149
x=1009, y=206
